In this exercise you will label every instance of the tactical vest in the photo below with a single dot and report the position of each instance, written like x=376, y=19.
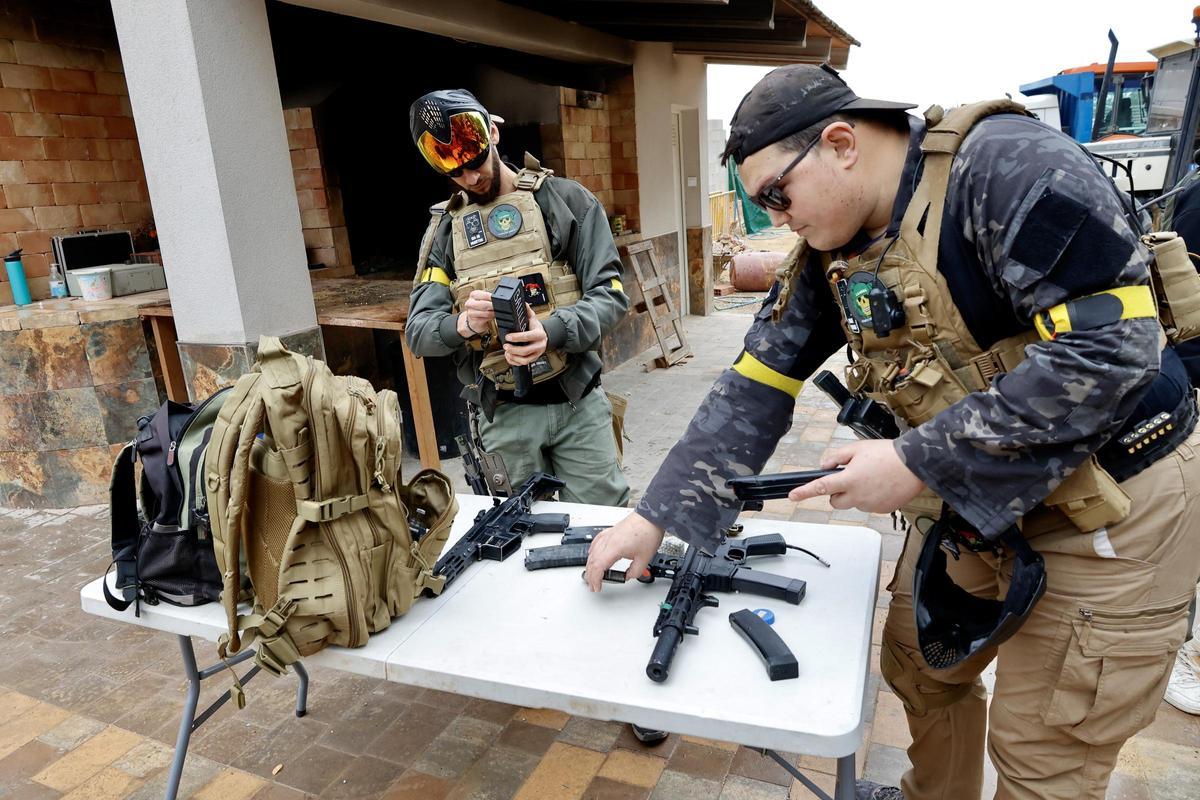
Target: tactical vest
x=930, y=360
x=508, y=237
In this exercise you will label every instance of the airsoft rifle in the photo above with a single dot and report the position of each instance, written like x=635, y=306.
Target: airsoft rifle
x=692, y=576
x=498, y=530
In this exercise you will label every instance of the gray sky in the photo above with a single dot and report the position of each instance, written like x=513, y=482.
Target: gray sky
x=958, y=51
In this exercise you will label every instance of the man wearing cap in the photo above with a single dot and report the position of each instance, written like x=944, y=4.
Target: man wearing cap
x=994, y=291
x=552, y=234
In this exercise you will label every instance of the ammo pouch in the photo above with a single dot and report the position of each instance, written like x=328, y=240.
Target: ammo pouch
x=1090, y=497
x=497, y=370
x=1176, y=285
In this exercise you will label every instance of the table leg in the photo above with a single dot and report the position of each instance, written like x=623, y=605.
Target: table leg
x=191, y=721
x=167, y=345
x=843, y=789
x=418, y=394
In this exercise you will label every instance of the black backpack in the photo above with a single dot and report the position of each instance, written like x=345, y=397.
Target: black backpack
x=164, y=551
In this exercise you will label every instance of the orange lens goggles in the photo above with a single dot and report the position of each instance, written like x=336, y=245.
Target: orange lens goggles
x=469, y=141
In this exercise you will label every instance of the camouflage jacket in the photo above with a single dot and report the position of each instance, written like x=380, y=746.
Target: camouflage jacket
x=579, y=234
x=1030, y=222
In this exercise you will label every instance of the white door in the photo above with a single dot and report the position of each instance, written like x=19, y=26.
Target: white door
x=680, y=218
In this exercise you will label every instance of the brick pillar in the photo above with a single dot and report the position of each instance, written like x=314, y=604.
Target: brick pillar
x=320, y=199
x=594, y=143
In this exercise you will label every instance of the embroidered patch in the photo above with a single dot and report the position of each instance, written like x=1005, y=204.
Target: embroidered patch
x=535, y=289
x=504, y=221
x=473, y=226
x=858, y=302
x=843, y=290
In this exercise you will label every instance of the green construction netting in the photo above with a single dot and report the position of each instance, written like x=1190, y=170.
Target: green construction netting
x=755, y=218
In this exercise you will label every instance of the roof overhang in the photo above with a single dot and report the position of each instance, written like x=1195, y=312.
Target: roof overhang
x=490, y=22
x=767, y=32
x=601, y=32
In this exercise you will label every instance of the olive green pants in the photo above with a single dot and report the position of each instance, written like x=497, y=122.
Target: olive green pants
x=1085, y=672
x=573, y=442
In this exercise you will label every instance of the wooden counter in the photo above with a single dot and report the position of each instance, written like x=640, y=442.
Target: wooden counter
x=373, y=303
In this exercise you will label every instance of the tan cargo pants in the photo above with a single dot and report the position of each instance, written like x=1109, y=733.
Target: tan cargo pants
x=1086, y=671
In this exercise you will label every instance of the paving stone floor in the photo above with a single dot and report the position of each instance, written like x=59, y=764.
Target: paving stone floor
x=89, y=708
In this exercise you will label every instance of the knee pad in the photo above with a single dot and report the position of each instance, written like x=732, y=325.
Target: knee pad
x=919, y=692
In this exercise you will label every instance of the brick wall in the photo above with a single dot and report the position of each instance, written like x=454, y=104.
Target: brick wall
x=597, y=146
x=68, y=150
x=69, y=156
x=325, y=239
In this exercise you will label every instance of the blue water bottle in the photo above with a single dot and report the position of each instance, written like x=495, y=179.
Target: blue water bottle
x=16, y=278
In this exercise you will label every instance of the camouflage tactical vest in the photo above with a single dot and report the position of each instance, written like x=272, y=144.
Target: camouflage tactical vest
x=508, y=237
x=931, y=361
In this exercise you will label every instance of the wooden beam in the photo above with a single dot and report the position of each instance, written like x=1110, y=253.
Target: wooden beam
x=740, y=14
x=422, y=408
x=167, y=345
x=818, y=50
x=786, y=31
x=489, y=22
x=667, y=2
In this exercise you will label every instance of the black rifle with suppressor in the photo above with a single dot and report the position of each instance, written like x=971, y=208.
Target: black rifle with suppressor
x=721, y=572
x=498, y=530
x=692, y=576
x=508, y=301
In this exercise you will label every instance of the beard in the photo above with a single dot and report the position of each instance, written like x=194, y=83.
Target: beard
x=493, y=190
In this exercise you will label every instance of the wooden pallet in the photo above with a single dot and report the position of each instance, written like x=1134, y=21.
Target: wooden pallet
x=656, y=301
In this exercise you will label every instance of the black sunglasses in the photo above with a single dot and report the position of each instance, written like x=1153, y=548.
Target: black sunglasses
x=474, y=164
x=772, y=197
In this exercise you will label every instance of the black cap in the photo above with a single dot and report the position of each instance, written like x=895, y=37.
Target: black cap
x=432, y=112
x=789, y=99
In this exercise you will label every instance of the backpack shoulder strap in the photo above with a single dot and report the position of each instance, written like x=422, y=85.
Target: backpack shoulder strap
x=125, y=527
x=226, y=474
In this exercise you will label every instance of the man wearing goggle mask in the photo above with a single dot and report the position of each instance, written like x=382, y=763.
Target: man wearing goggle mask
x=552, y=235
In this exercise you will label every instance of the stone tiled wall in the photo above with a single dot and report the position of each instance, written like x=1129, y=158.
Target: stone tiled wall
x=72, y=386
x=68, y=150
x=700, y=274
x=210, y=367
x=320, y=199
x=597, y=146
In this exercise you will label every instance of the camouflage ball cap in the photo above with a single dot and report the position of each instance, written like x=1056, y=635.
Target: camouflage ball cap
x=789, y=99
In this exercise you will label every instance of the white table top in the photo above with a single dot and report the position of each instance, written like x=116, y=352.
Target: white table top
x=540, y=639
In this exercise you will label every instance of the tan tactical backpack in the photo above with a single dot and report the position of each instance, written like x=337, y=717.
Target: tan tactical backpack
x=302, y=476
